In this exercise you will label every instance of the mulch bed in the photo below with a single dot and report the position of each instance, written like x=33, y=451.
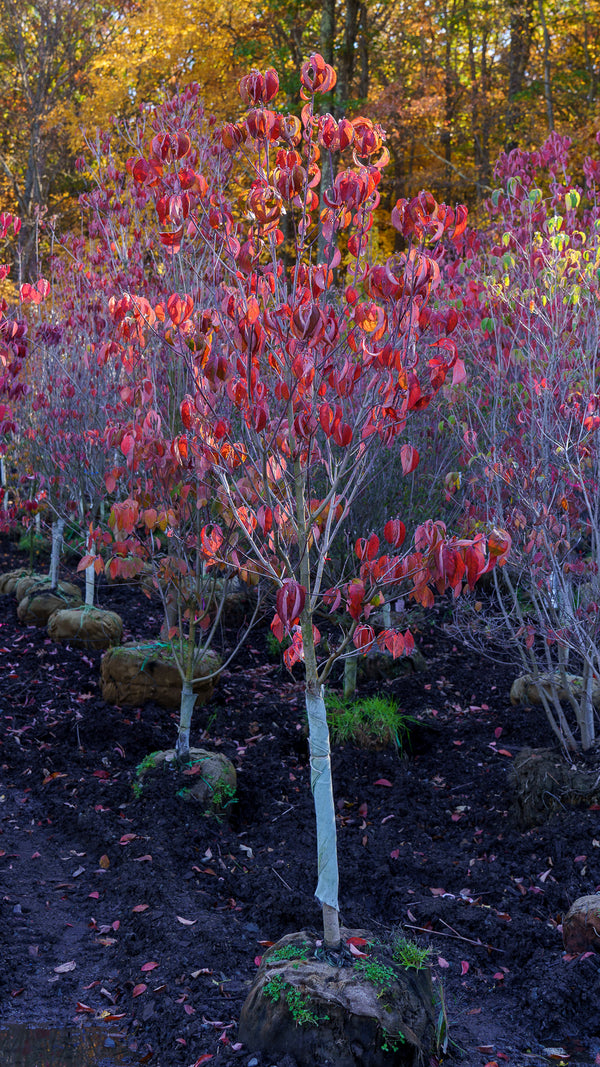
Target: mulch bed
x=427, y=840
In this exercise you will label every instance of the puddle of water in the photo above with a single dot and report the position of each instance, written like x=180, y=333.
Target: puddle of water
x=70, y=1046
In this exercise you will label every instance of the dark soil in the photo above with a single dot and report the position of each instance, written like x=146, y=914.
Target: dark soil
x=427, y=840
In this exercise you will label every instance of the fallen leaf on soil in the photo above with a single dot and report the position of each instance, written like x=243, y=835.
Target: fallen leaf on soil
x=504, y=752
x=139, y=989
x=84, y=1007
x=383, y=781
x=150, y=966
x=444, y=963
x=203, y=1059
x=141, y=907
x=186, y=922
x=104, y=863
x=127, y=838
x=142, y=859
x=464, y=966
x=94, y=895
x=64, y=967
x=356, y=951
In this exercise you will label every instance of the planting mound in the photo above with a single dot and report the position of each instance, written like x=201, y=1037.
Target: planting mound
x=86, y=627
x=208, y=778
x=40, y=601
x=374, y=1014
x=135, y=674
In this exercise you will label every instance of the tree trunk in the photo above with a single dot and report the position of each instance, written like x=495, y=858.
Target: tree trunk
x=186, y=710
x=322, y=790
x=521, y=31
x=547, y=68
x=89, y=585
x=57, y=536
x=350, y=667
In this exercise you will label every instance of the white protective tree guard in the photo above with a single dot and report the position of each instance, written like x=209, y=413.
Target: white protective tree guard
x=89, y=585
x=322, y=788
x=186, y=709
x=57, y=537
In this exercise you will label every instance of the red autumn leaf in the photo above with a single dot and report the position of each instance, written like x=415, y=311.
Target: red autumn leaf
x=464, y=966
x=383, y=781
x=504, y=752
x=84, y=1007
x=139, y=989
x=394, y=532
x=290, y=601
x=363, y=638
x=442, y=962
x=150, y=966
x=206, y=1056
x=141, y=907
x=409, y=457
x=360, y=942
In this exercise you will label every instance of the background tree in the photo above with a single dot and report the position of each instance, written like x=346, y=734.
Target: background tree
x=45, y=50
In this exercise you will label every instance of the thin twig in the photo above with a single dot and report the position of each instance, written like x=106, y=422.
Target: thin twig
x=459, y=937
x=282, y=880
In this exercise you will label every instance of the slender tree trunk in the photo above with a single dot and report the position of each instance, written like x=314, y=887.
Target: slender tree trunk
x=350, y=668
x=57, y=537
x=547, y=68
x=327, y=38
x=521, y=31
x=186, y=710
x=188, y=697
x=322, y=789
x=89, y=585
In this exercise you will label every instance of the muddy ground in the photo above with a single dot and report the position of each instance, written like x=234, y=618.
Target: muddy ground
x=93, y=877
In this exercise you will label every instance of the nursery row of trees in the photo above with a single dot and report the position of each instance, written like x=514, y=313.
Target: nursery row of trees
x=221, y=377
x=452, y=81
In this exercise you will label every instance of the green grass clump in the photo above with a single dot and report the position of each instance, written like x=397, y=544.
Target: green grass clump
x=408, y=953
x=368, y=721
